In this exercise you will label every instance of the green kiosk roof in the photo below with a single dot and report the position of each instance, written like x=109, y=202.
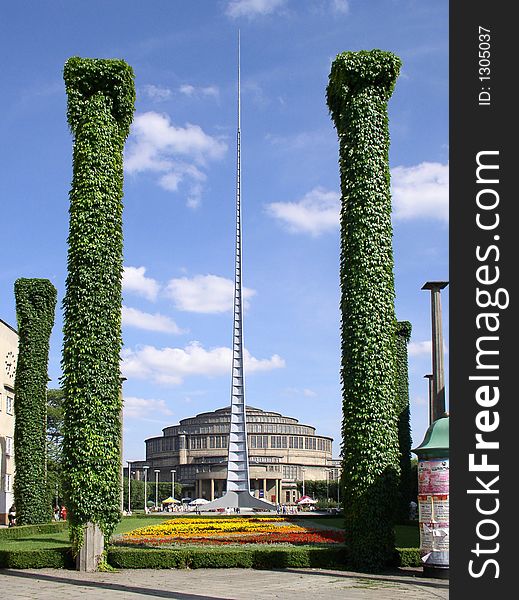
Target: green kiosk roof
x=436, y=440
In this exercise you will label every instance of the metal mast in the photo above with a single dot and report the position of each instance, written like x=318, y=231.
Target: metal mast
x=238, y=462
x=238, y=483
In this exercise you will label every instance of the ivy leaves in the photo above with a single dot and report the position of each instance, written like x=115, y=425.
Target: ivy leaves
x=35, y=305
x=111, y=81
x=360, y=85
x=101, y=97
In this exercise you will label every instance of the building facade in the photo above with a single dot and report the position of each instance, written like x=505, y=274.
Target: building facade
x=8, y=356
x=282, y=452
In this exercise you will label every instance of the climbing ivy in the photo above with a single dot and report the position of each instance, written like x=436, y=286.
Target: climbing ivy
x=101, y=98
x=360, y=84
x=35, y=305
x=403, y=335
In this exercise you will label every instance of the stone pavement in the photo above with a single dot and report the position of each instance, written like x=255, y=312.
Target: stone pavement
x=213, y=584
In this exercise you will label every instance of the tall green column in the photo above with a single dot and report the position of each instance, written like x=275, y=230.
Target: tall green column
x=35, y=304
x=359, y=88
x=403, y=335
x=101, y=97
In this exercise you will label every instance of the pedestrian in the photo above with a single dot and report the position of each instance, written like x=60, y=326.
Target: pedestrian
x=12, y=516
x=56, y=513
x=63, y=513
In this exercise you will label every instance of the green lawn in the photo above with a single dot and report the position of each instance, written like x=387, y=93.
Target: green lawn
x=36, y=542
x=129, y=523
x=60, y=539
x=407, y=536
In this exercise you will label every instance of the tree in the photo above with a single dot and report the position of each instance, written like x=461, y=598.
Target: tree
x=35, y=304
x=101, y=98
x=360, y=85
x=137, y=492
x=54, y=445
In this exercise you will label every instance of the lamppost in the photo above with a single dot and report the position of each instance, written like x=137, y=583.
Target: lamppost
x=438, y=380
x=173, y=483
x=328, y=485
x=145, y=488
x=431, y=396
x=303, y=472
x=129, y=486
x=157, y=471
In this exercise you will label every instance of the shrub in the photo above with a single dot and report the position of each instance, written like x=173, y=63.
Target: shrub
x=408, y=557
x=21, y=531
x=56, y=558
x=213, y=558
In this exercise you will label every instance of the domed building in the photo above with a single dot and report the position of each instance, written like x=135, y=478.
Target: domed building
x=282, y=451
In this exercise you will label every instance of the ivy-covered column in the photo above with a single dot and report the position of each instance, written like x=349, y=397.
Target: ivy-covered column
x=403, y=335
x=359, y=88
x=35, y=305
x=101, y=98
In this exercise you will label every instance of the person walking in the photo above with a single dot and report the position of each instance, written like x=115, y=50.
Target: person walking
x=12, y=516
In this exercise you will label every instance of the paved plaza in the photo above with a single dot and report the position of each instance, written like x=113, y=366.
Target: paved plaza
x=212, y=584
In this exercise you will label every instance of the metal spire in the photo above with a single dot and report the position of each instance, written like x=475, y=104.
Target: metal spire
x=238, y=462
x=238, y=483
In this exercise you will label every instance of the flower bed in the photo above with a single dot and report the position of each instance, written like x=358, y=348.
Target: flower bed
x=221, y=531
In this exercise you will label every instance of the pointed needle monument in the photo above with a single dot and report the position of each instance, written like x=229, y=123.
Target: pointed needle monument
x=238, y=483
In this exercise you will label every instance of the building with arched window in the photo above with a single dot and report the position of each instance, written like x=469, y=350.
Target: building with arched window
x=8, y=355
x=282, y=451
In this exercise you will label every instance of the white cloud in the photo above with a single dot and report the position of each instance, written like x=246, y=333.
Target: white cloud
x=424, y=347
x=134, y=280
x=178, y=154
x=156, y=92
x=316, y=213
x=307, y=392
x=132, y=317
x=341, y=6
x=205, y=294
x=252, y=8
x=421, y=191
x=171, y=365
x=197, y=91
x=142, y=408
x=419, y=348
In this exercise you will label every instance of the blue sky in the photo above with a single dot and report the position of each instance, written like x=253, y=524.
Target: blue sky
x=179, y=190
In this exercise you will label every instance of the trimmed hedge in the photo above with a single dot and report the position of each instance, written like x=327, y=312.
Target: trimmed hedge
x=360, y=85
x=201, y=558
x=101, y=98
x=216, y=558
x=55, y=558
x=21, y=531
x=408, y=557
x=35, y=304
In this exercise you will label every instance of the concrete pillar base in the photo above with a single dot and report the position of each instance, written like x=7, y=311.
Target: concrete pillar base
x=90, y=553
